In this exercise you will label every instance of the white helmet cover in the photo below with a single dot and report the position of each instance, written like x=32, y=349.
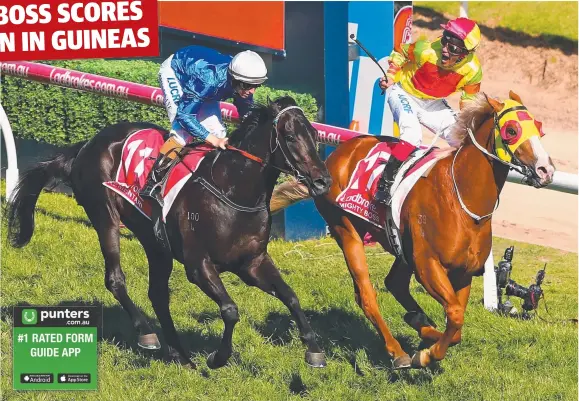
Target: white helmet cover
x=248, y=67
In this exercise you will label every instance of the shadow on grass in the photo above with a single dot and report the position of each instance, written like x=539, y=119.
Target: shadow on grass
x=345, y=333
x=297, y=386
x=116, y=328
x=78, y=220
x=339, y=332
x=506, y=35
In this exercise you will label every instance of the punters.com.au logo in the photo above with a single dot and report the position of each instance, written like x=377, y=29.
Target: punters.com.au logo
x=29, y=316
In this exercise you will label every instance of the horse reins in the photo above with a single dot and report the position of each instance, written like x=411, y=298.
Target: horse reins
x=219, y=193
x=247, y=154
x=517, y=167
x=259, y=160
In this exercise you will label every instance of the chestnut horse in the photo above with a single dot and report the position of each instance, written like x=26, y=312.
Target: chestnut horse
x=445, y=245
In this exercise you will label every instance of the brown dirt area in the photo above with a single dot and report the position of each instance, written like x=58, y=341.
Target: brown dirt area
x=546, y=80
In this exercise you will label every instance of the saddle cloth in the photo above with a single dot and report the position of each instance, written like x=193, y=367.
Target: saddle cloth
x=358, y=197
x=138, y=156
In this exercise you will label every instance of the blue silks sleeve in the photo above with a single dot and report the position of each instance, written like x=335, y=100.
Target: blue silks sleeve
x=187, y=117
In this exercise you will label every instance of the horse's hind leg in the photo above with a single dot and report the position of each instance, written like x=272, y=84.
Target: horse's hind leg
x=160, y=268
x=206, y=277
x=398, y=283
x=264, y=275
x=106, y=223
x=352, y=246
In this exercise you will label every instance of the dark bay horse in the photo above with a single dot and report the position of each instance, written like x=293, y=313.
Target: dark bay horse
x=231, y=234
x=444, y=244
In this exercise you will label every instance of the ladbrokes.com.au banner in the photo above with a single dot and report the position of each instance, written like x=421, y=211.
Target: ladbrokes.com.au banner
x=61, y=29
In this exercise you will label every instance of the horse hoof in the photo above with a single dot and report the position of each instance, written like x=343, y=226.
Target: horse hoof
x=213, y=363
x=421, y=359
x=149, y=341
x=402, y=362
x=174, y=356
x=316, y=359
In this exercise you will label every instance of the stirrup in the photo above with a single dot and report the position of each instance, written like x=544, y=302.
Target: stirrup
x=382, y=194
x=153, y=193
x=157, y=177
x=159, y=229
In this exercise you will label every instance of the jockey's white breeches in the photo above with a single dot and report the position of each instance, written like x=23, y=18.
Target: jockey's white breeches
x=209, y=115
x=409, y=112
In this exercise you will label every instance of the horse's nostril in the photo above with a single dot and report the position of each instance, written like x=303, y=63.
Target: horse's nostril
x=319, y=183
x=322, y=184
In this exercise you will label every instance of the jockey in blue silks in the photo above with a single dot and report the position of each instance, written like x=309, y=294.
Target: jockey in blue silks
x=194, y=80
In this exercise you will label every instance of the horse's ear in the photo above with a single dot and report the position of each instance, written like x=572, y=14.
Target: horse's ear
x=271, y=105
x=498, y=106
x=515, y=97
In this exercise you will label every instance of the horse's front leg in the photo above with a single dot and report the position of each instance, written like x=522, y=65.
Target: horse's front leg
x=435, y=280
x=263, y=274
x=206, y=277
x=398, y=283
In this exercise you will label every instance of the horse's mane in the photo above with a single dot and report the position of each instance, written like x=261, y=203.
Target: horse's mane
x=258, y=114
x=472, y=116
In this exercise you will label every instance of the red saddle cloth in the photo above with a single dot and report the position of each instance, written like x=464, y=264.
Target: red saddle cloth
x=358, y=197
x=138, y=156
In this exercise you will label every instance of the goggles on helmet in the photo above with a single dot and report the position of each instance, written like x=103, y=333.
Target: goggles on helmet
x=452, y=48
x=245, y=86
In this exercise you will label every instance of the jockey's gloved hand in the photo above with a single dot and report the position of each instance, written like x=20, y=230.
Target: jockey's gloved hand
x=385, y=83
x=217, y=142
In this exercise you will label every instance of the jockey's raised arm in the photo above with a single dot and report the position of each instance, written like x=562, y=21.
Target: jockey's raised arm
x=421, y=75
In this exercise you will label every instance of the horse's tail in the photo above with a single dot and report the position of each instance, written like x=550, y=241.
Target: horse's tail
x=20, y=207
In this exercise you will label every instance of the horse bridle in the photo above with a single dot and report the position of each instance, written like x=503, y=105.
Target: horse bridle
x=261, y=206
x=293, y=170
x=517, y=165
x=528, y=173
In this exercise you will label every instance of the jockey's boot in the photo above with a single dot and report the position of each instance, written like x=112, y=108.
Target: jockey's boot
x=152, y=188
x=386, y=180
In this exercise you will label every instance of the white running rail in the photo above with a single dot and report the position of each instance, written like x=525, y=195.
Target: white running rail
x=12, y=170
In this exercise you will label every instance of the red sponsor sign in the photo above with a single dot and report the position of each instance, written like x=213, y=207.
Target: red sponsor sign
x=67, y=29
x=258, y=23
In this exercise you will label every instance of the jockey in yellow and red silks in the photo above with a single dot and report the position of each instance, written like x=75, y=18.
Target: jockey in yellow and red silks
x=421, y=75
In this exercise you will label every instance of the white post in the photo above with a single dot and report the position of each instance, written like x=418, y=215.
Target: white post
x=463, y=9
x=490, y=284
x=562, y=182
x=12, y=170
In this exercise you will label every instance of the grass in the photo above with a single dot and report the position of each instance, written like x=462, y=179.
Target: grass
x=534, y=18
x=499, y=359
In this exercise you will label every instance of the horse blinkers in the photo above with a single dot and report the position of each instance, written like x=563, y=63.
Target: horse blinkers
x=511, y=132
